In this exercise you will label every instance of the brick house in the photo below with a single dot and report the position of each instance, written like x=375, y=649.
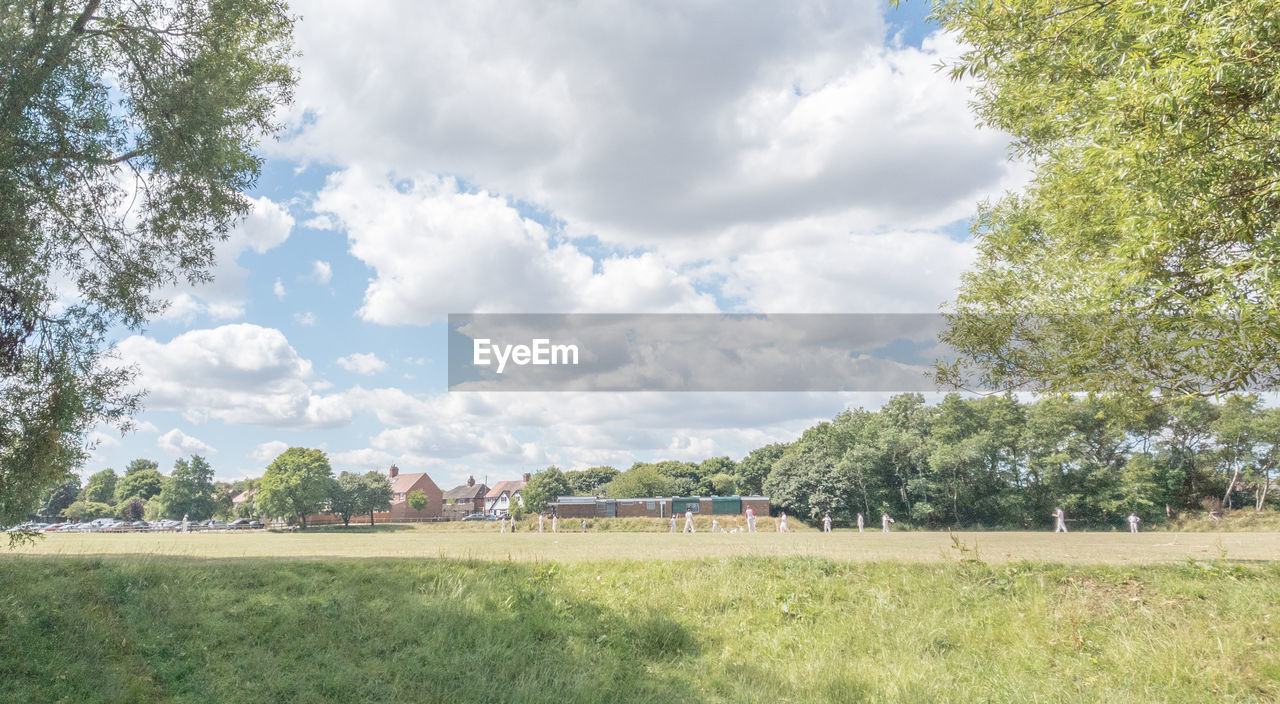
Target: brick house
x=402, y=485
x=499, y=499
x=466, y=499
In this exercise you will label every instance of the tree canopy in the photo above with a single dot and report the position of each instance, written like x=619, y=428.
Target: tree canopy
x=1144, y=254
x=297, y=483
x=127, y=137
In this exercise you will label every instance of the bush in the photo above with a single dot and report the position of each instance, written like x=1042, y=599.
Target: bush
x=88, y=510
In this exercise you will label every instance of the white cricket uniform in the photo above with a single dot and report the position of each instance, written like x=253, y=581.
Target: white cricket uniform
x=539, y=522
x=826, y=524
x=860, y=522
x=555, y=524
x=1133, y=522
x=885, y=520
x=688, y=522
x=1060, y=525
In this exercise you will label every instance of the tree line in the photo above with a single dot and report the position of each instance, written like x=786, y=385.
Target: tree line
x=298, y=483
x=992, y=461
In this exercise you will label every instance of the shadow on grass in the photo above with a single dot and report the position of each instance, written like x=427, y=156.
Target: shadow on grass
x=353, y=528
x=94, y=630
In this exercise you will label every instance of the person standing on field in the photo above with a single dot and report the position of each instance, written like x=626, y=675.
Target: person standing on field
x=860, y=522
x=715, y=525
x=782, y=523
x=1133, y=522
x=826, y=523
x=1060, y=520
x=751, y=520
x=673, y=523
x=885, y=520
x=502, y=523
x=555, y=523
x=688, y=521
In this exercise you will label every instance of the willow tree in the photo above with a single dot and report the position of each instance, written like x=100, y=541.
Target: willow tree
x=127, y=137
x=1143, y=254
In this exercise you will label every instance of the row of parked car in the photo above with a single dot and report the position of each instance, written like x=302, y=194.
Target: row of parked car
x=111, y=525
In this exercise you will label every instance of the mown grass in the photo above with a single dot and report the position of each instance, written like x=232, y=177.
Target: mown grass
x=442, y=541
x=736, y=629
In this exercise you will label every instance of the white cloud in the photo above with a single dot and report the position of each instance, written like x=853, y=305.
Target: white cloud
x=278, y=288
x=143, y=426
x=321, y=272
x=436, y=250
x=268, y=451
x=307, y=319
x=651, y=122
x=103, y=440
x=176, y=442
x=267, y=226
x=362, y=363
x=235, y=373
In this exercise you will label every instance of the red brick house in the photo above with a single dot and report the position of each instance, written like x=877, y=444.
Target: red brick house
x=466, y=499
x=402, y=485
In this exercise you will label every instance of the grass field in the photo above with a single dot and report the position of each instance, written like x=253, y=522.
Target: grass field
x=432, y=541
x=361, y=616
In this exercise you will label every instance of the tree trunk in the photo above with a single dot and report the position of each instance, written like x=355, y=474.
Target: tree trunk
x=1226, y=498
x=371, y=518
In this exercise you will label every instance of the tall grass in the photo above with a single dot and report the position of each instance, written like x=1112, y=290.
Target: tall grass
x=746, y=629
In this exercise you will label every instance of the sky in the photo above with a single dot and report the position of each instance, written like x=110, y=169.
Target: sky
x=548, y=157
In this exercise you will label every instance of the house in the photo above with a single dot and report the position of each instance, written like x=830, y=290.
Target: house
x=466, y=499
x=238, y=500
x=499, y=499
x=404, y=484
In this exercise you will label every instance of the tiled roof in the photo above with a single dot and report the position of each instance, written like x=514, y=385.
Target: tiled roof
x=466, y=492
x=405, y=482
x=507, y=487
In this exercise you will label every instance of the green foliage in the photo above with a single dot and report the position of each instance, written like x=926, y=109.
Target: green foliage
x=132, y=509
x=60, y=497
x=128, y=137
x=101, y=487
x=140, y=480
x=1142, y=255
x=543, y=488
x=88, y=510
x=417, y=499
x=297, y=483
x=189, y=490
x=755, y=468
x=589, y=482
x=640, y=481
x=354, y=494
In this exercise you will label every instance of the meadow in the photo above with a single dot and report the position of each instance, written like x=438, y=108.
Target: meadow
x=429, y=614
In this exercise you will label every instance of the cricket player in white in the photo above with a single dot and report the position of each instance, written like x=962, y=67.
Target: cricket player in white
x=1133, y=522
x=885, y=520
x=860, y=522
x=715, y=525
x=751, y=520
x=502, y=521
x=673, y=523
x=826, y=523
x=555, y=523
x=1060, y=518
x=782, y=523
x=688, y=521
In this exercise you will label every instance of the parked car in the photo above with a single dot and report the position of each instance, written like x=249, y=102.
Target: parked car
x=474, y=517
x=140, y=525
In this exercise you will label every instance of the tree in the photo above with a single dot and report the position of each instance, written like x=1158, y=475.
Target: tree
x=417, y=499
x=345, y=495
x=1141, y=254
x=296, y=484
x=101, y=487
x=589, y=482
x=543, y=488
x=376, y=493
x=127, y=139
x=88, y=510
x=62, y=496
x=140, y=481
x=639, y=481
x=132, y=509
x=354, y=494
x=755, y=467
x=189, y=491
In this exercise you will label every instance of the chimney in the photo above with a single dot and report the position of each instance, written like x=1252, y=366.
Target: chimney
x=395, y=471
x=526, y=477
x=471, y=481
